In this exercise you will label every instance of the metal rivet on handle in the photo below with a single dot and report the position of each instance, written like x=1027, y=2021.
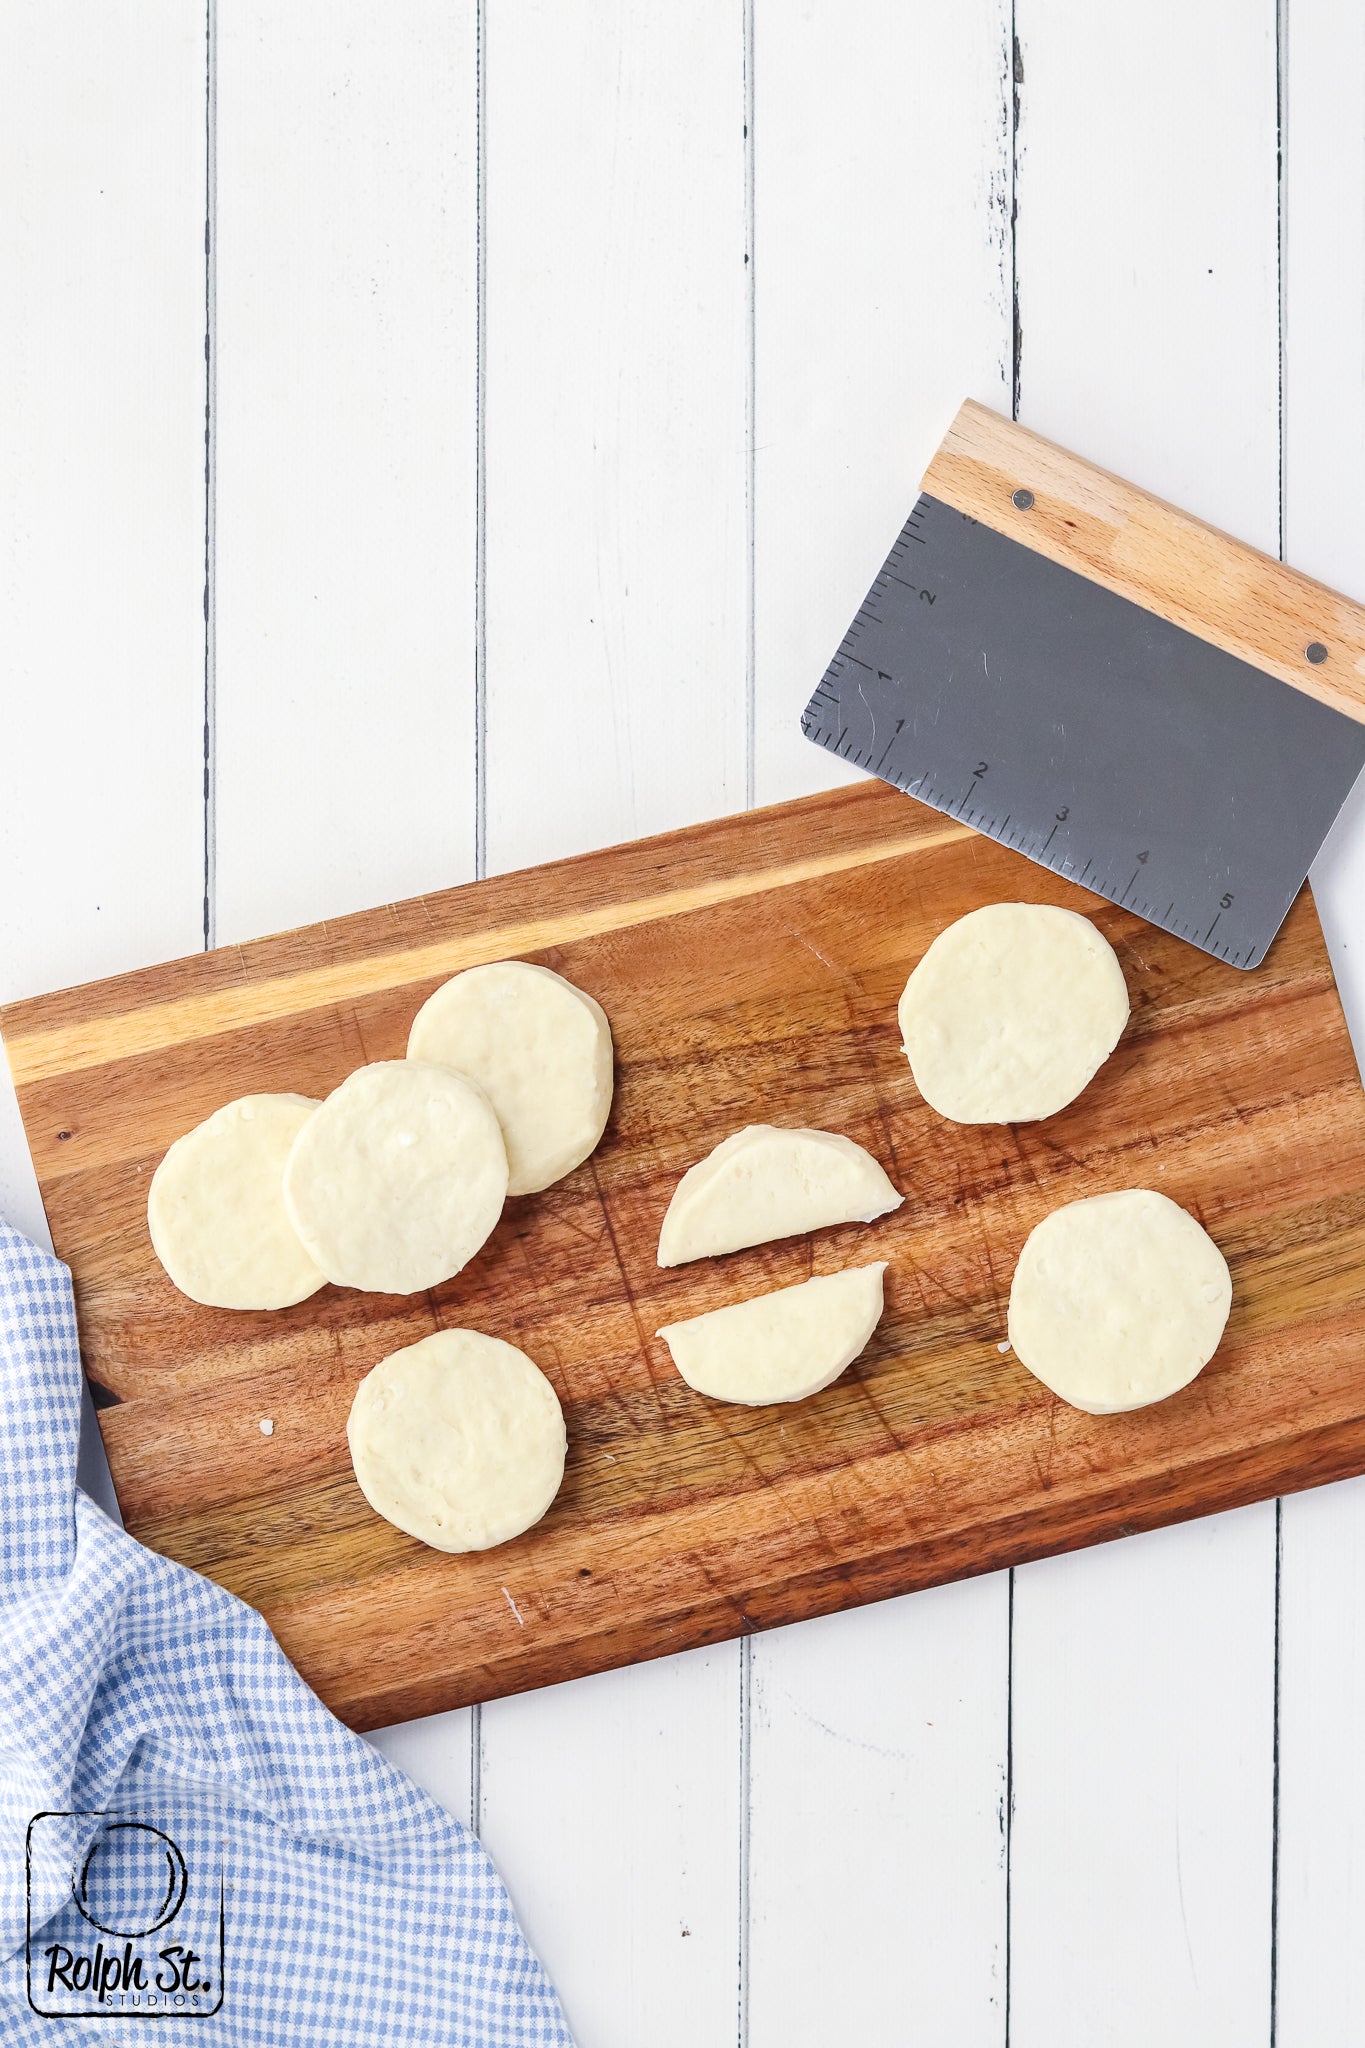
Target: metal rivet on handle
x=1316, y=652
x=1022, y=500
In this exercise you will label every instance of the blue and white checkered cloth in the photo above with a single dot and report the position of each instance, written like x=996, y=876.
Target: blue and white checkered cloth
x=354, y=1909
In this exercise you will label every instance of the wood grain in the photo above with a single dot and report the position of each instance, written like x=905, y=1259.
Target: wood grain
x=1111, y=532
x=684, y=1522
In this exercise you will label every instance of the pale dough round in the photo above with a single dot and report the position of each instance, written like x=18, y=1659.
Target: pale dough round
x=216, y=1213
x=780, y=1346
x=541, y=1051
x=764, y=1183
x=459, y=1440
x=1118, y=1301
x=1011, y=1012
x=398, y=1178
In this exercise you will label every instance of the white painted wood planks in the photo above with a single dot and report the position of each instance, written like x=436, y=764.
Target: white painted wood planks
x=345, y=424
x=1143, y=1676
x=883, y=295
x=878, y=1770
x=614, y=422
x=883, y=283
x=102, y=418
x=614, y=394
x=345, y=421
x=612, y=1807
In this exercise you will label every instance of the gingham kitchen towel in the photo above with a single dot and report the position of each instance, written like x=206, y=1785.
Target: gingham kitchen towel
x=186, y=1833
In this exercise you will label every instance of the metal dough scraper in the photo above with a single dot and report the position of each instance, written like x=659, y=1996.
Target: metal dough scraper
x=1084, y=673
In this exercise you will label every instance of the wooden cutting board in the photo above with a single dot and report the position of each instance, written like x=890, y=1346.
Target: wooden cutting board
x=751, y=970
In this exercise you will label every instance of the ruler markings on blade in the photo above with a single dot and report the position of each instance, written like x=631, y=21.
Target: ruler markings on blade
x=1120, y=751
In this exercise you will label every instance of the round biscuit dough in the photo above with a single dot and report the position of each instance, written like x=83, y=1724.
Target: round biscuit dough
x=1011, y=1012
x=458, y=1439
x=398, y=1178
x=780, y=1346
x=1118, y=1301
x=215, y=1209
x=767, y=1182
x=541, y=1051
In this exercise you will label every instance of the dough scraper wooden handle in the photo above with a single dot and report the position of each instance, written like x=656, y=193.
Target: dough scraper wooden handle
x=1090, y=675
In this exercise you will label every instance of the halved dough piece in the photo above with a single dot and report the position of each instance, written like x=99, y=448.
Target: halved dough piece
x=216, y=1213
x=398, y=1178
x=1118, y=1301
x=541, y=1051
x=458, y=1439
x=1012, y=1010
x=764, y=1183
x=780, y=1346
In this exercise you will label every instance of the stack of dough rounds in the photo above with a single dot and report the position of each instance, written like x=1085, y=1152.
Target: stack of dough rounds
x=780, y=1346
x=1118, y=1301
x=459, y=1440
x=216, y=1210
x=395, y=1181
x=541, y=1051
x=1011, y=1013
x=765, y=1183
x=398, y=1178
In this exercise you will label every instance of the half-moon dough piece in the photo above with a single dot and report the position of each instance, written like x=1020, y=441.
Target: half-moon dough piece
x=1118, y=1301
x=215, y=1209
x=398, y=1178
x=458, y=1439
x=765, y=1183
x=780, y=1346
x=541, y=1051
x=1011, y=1012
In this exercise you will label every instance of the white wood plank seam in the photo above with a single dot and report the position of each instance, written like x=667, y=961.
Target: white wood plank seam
x=1319, y=1994
x=1273, y=2027
x=750, y=397
x=210, y=467
x=877, y=1739
x=1281, y=224
x=480, y=619
x=1014, y=80
x=1281, y=47
x=1225, y=320
x=1007, y=1804
x=480, y=476
x=746, y=1694
x=746, y=1652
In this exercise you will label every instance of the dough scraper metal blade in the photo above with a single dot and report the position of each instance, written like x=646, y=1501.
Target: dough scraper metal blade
x=1084, y=673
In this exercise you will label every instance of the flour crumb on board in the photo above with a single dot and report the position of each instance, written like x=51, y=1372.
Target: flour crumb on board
x=1003, y=1346
x=513, y=1605
x=267, y=1426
